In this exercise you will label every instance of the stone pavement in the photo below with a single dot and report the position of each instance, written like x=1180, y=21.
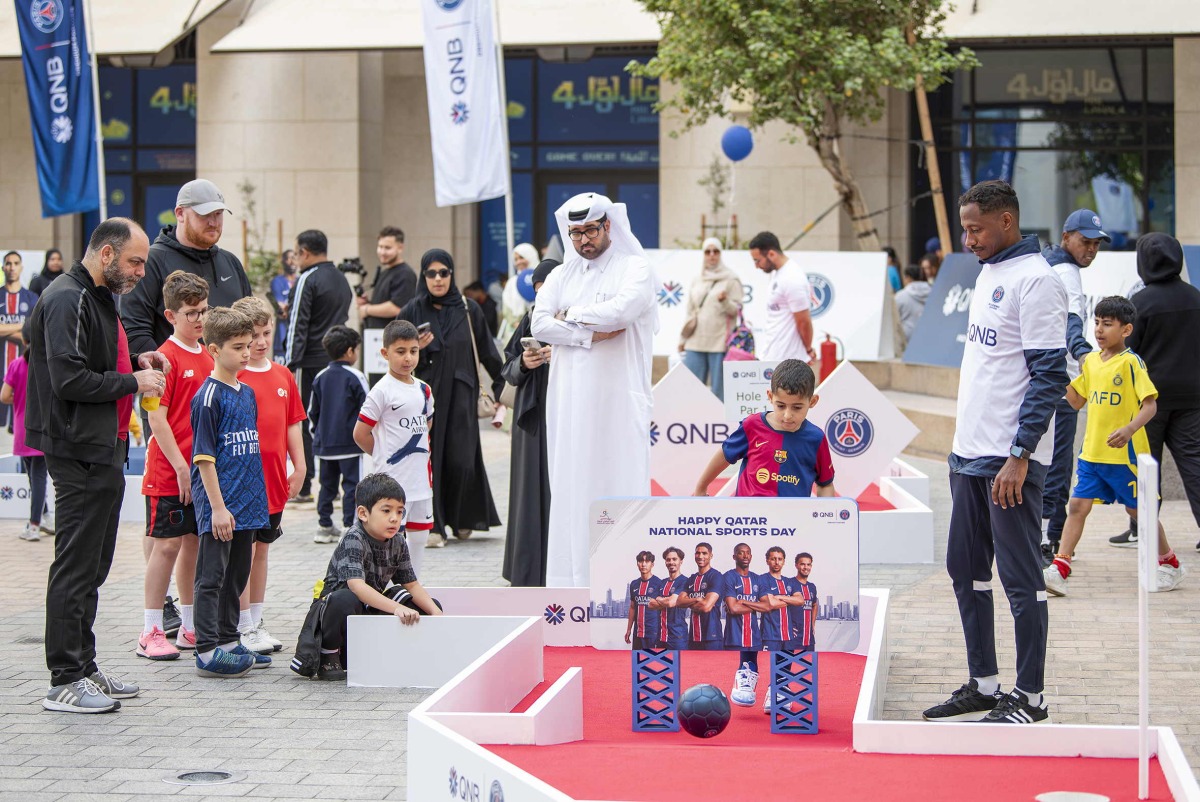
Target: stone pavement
x=299, y=739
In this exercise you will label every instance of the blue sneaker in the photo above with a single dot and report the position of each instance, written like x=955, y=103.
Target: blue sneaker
x=225, y=665
x=260, y=660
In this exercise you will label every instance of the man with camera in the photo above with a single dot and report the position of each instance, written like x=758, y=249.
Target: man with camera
x=394, y=285
x=320, y=299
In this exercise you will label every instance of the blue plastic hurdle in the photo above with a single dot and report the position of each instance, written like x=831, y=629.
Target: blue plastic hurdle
x=794, y=709
x=655, y=690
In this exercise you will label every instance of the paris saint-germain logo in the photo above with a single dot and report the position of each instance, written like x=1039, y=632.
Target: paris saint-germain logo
x=555, y=614
x=997, y=295
x=496, y=794
x=820, y=294
x=850, y=432
x=844, y=515
x=46, y=15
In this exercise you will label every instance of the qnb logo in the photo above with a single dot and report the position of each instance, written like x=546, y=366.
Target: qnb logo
x=462, y=788
x=459, y=113
x=555, y=614
x=653, y=433
x=670, y=294
x=981, y=334
x=850, y=432
x=820, y=294
x=6, y=493
x=61, y=129
x=46, y=15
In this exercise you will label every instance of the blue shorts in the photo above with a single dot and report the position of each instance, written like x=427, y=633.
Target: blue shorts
x=1106, y=483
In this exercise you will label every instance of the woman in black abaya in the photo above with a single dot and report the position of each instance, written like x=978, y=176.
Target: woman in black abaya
x=529, y=482
x=462, y=498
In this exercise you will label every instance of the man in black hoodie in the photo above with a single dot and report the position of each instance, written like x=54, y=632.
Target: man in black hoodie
x=191, y=246
x=1165, y=335
x=80, y=389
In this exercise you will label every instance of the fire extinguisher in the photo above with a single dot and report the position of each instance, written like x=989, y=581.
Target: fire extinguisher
x=829, y=356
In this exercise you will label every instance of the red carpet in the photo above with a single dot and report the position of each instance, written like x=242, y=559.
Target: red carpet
x=868, y=501
x=614, y=763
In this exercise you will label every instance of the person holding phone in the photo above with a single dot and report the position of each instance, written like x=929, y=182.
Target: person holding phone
x=527, y=367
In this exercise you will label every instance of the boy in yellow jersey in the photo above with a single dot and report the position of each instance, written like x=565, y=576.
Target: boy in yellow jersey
x=1120, y=400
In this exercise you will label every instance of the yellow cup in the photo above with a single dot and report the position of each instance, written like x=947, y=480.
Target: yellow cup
x=150, y=403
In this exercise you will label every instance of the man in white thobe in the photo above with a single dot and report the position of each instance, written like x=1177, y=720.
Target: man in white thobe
x=599, y=313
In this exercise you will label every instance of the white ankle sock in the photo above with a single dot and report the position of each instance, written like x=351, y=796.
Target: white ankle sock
x=256, y=613
x=988, y=685
x=205, y=657
x=1035, y=699
x=245, y=623
x=229, y=647
x=153, y=618
x=185, y=615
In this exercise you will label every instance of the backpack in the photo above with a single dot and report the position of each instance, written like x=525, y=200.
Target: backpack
x=307, y=657
x=740, y=345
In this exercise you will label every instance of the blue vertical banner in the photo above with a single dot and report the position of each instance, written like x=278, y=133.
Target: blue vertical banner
x=58, y=79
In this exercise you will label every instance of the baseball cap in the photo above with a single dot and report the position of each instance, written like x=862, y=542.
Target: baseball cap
x=933, y=245
x=1087, y=223
x=202, y=196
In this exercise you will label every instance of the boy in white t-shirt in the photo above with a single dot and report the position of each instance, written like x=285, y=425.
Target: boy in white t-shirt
x=787, y=332
x=393, y=427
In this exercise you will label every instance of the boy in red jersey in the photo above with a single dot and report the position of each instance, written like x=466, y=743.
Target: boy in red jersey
x=167, y=484
x=280, y=416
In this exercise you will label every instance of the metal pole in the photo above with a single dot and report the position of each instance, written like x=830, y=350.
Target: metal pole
x=509, y=236
x=1147, y=491
x=931, y=161
x=91, y=43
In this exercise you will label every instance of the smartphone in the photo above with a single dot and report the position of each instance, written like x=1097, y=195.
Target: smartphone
x=530, y=344
x=423, y=328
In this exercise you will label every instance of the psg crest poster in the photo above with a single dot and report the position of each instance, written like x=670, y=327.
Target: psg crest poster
x=724, y=573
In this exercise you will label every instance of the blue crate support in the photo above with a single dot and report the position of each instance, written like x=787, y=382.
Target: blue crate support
x=655, y=690
x=794, y=691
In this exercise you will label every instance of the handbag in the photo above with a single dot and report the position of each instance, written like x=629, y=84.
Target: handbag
x=740, y=345
x=485, y=405
x=689, y=325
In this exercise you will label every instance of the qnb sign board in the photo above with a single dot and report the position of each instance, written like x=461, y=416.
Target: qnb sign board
x=846, y=293
x=687, y=429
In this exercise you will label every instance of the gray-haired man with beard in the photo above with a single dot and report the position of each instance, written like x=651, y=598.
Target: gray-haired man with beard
x=80, y=394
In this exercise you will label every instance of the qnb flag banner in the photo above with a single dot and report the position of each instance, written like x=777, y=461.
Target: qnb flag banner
x=465, y=122
x=58, y=79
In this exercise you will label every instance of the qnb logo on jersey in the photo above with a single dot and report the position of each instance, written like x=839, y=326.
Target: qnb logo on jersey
x=670, y=294
x=849, y=431
x=554, y=614
x=820, y=291
x=981, y=334
x=764, y=475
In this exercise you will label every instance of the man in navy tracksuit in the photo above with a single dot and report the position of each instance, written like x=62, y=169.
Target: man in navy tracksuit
x=338, y=393
x=1081, y=238
x=1013, y=373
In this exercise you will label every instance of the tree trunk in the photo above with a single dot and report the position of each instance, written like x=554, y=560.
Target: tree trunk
x=828, y=149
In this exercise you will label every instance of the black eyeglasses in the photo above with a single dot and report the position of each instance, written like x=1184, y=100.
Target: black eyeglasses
x=443, y=273
x=195, y=315
x=591, y=232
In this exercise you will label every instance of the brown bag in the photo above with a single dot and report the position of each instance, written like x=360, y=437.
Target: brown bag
x=485, y=407
x=689, y=325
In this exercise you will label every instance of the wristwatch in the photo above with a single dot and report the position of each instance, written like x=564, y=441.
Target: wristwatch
x=1018, y=452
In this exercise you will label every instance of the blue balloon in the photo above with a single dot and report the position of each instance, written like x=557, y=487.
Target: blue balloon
x=737, y=142
x=525, y=284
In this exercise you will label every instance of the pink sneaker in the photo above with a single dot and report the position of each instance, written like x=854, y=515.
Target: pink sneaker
x=153, y=645
x=186, y=639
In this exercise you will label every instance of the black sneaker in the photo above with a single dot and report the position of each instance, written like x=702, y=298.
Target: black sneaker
x=331, y=669
x=1048, y=550
x=171, y=617
x=965, y=704
x=1015, y=709
x=1126, y=540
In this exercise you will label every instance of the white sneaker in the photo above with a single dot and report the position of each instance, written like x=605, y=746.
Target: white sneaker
x=1056, y=585
x=325, y=534
x=276, y=644
x=1169, y=577
x=48, y=522
x=767, y=702
x=436, y=541
x=745, y=680
x=30, y=532
x=253, y=641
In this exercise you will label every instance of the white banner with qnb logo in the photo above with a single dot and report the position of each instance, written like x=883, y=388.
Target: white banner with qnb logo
x=847, y=295
x=826, y=529
x=687, y=429
x=465, y=118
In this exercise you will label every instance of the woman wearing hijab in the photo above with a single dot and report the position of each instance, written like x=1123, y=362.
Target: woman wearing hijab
x=529, y=479
x=524, y=256
x=52, y=269
x=462, y=498
x=714, y=300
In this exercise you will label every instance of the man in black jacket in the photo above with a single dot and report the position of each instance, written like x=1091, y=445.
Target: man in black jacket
x=320, y=299
x=1165, y=335
x=191, y=245
x=80, y=389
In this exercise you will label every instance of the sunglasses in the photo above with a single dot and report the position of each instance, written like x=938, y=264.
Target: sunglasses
x=710, y=251
x=443, y=273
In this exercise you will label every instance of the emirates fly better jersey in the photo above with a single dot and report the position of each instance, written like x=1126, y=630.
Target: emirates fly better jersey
x=777, y=463
x=225, y=431
x=398, y=414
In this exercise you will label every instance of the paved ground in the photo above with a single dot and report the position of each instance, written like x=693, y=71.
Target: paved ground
x=297, y=739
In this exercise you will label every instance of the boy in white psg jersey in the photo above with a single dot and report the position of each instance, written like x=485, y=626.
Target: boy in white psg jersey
x=393, y=427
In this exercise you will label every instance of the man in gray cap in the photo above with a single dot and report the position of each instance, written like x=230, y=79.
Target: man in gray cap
x=1081, y=237
x=191, y=246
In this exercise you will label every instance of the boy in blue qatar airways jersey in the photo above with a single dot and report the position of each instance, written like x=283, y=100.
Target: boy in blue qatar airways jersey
x=703, y=599
x=642, y=627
